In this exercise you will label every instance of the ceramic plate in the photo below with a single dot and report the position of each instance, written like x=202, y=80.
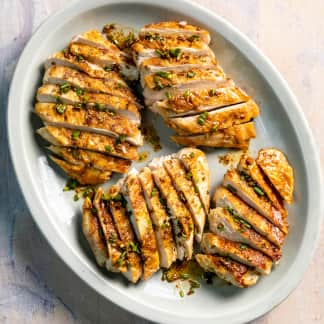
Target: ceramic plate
x=281, y=124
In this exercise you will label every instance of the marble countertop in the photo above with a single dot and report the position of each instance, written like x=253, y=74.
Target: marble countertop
x=35, y=285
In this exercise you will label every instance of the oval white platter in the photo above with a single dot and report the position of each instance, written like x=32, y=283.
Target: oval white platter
x=281, y=125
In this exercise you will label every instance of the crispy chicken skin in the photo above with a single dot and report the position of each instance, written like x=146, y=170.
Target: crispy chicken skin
x=237, y=136
x=229, y=270
x=82, y=173
x=85, y=140
x=215, y=244
x=92, y=232
x=187, y=191
x=224, y=198
x=160, y=219
x=215, y=120
x=234, y=182
x=234, y=228
x=275, y=165
x=196, y=164
x=182, y=222
x=95, y=160
x=142, y=223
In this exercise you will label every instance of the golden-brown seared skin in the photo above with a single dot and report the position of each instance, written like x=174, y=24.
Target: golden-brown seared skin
x=275, y=165
x=215, y=244
x=95, y=160
x=248, y=167
x=238, y=136
x=229, y=270
x=201, y=100
x=234, y=228
x=126, y=234
x=115, y=247
x=142, y=223
x=224, y=198
x=249, y=194
x=215, y=120
x=160, y=219
x=85, y=140
x=187, y=191
x=82, y=173
x=92, y=232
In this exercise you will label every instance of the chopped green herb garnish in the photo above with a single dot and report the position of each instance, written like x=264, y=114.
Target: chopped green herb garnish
x=108, y=148
x=71, y=184
x=181, y=293
x=120, y=139
x=80, y=58
x=187, y=94
x=65, y=87
x=192, y=155
x=112, y=238
x=60, y=108
x=88, y=192
x=78, y=105
x=201, y=120
x=76, y=197
x=258, y=190
x=212, y=92
x=154, y=192
x=162, y=54
x=191, y=74
x=193, y=38
x=168, y=95
x=189, y=175
x=75, y=134
x=134, y=247
x=100, y=106
x=184, y=276
x=75, y=153
x=215, y=128
x=174, y=52
x=108, y=68
x=164, y=74
x=158, y=84
x=79, y=91
x=243, y=246
x=122, y=258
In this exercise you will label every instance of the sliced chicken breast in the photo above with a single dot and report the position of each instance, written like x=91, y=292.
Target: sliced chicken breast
x=196, y=165
x=182, y=222
x=252, y=197
x=275, y=165
x=90, y=141
x=82, y=173
x=215, y=244
x=186, y=189
x=237, y=207
x=160, y=219
x=142, y=224
x=214, y=120
x=229, y=270
x=238, y=136
x=234, y=228
x=96, y=160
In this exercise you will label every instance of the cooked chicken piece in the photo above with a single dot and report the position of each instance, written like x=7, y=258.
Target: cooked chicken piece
x=95, y=160
x=160, y=219
x=92, y=231
x=183, y=225
x=237, y=136
x=115, y=262
x=89, y=120
x=237, y=207
x=236, y=229
x=276, y=166
x=82, y=173
x=254, y=198
x=229, y=270
x=176, y=28
x=252, y=173
x=90, y=141
x=142, y=224
x=215, y=244
x=214, y=120
x=64, y=58
x=196, y=165
x=182, y=181
x=199, y=101
x=126, y=233
x=127, y=110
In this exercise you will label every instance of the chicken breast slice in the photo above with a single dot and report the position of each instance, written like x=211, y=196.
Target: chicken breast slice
x=199, y=101
x=127, y=110
x=183, y=226
x=188, y=193
x=238, y=136
x=89, y=120
x=275, y=165
x=251, y=171
x=234, y=228
x=215, y=244
x=237, y=207
x=160, y=219
x=251, y=196
x=142, y=224
x=87, y=158
x=196, y=165
x=90, y=141
x=229, y=270
x=216, y=119
x=83, y=174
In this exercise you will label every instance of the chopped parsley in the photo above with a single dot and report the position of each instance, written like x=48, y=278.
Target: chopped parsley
x=258, y=191
x=154, y=192
x=164, y=74
x=191, y=74
x=65, y=87
x=108, y=68
x=134, y=247
x=201, y=119
x=112, y=238
x=120, y=139
x=80, y=58
x=60, y=108
x=162, y=54
x=168, y=95
x=79, y=91
x=243, y=246
x=193, y=38
x=100, y=106
x=187, y=94
x=174, y=52
x=212, y=92
x=108, y=148
x=75, y=134
x=71, y=184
